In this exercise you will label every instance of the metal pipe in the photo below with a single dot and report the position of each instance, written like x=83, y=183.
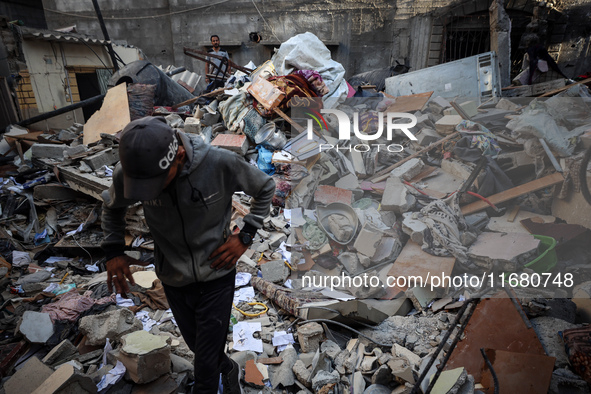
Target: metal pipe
x=62, y=110
x=105, y=34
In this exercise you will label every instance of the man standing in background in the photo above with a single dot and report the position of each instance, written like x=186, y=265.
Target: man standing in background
x=221, y=69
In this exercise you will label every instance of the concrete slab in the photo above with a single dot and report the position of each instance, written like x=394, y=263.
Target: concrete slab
x=507, y=251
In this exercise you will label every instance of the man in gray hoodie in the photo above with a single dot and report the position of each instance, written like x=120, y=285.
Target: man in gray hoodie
x=186, y=188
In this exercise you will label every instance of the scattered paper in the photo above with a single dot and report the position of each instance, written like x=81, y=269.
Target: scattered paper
x=92, y=268
x=112, y=377
x=125, y=302
x=55, y=259
x=281, y=339
x=243, y=339
x=147, y=322
x=138, y=241
x=242, y=279
x=244, y=294
x=79, y=229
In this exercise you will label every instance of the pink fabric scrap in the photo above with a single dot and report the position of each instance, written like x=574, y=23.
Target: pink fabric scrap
x=69, y=306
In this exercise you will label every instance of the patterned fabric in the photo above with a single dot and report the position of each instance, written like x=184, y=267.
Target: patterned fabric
x=71, y=305
x=482, y=138
x=293, y=86
x=445, y=223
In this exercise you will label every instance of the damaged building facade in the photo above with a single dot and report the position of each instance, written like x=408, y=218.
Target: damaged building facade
x=361, y=35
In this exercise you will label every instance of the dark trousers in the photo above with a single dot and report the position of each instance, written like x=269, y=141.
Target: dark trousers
x=202, y=312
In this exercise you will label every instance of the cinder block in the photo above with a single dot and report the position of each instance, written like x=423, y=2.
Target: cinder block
x=145, y=356
x=309, y=336
x=234, y=142
x=48, y=151
x=106, y=157
x=192, y=125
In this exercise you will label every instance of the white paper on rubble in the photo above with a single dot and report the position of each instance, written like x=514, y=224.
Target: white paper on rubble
x=138, y=241
x=55, y=259
x=242, y=279
x=79, y=229
x=244, y=294
x=243, y=339
x=147, y=322
x=282, y=338
x=112, y=377
x=106, y=350
x=310, y=213
x=20, y=259
x=125, y=302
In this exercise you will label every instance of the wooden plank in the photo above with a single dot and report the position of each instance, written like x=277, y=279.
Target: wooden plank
x=410, y=103
x=547, y=181
x=553, y=92
x=111, y=118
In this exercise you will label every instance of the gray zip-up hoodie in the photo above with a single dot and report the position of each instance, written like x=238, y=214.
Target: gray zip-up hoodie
x=191, y=218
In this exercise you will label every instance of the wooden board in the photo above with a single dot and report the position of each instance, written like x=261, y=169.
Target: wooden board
x=412, y=261
x=547, y=181
x=111, y=118
x=411, y=103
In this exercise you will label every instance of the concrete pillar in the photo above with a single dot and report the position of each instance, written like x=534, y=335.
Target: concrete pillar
x=500, y=39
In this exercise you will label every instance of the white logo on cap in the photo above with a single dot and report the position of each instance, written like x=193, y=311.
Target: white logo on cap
x=164, y=163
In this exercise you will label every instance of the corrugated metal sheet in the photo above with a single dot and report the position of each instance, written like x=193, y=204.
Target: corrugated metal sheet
x=53, y=35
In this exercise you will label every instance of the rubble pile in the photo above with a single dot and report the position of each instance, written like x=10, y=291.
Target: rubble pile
x=416, y=236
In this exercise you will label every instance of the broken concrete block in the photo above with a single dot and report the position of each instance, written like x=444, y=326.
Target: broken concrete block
x=401, y=370
x=547, y=329
x=71, y=151
x=388, y=248
x=507, y=105
x=330, y=348
x=275, y=271
x=413, y=227
x=302, y=373
x=409, y=170
x=309, y=336
x=28, y=378
x=61, y=351
x=438, y=104
x=65, y=380
x=37, y=327
x=233, y=142
x=397, y=197
x=48, y=151
x=192, y=125
x=112, y=325
x=106, y=157
x=457, y=168
x=382, y=376
x=358, y=164
x=506, y=252
x=282, y=374
x=326, y=194
x=421, y=296
x=447, y=124
x=348, y=182
x=470, y=108
x=450, y=380
x=323, y=378
x=350, y=262
x=367, y=240
x=145, y=356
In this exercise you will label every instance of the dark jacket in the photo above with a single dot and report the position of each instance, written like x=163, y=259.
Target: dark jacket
x=191, y=218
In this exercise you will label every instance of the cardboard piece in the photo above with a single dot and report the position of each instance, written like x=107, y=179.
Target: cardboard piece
x=111, y=118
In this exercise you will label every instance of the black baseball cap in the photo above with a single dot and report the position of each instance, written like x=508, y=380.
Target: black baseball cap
x=147, y=148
